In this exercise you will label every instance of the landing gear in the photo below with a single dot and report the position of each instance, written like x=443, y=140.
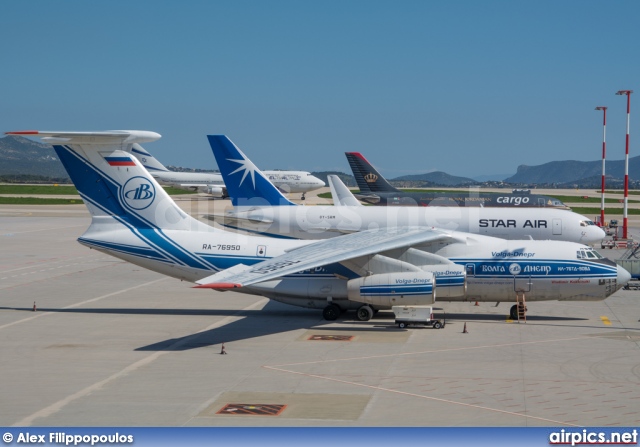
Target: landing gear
x=364, y=313
x=302, y=198
x=513, y=313
x=331, y=312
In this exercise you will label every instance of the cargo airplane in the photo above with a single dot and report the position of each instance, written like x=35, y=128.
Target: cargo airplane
x=212, y=183
x=376, y=190
x=133, y=218
x=257, y=210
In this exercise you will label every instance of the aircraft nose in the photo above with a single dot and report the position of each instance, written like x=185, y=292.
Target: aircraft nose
x=593, y=234
x=320, y=183
x=623, y=277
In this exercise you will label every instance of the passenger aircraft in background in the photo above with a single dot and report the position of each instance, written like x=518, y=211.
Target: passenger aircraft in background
x=134, y=219
x=212, y=183
x=258, y=209
x=375, y=189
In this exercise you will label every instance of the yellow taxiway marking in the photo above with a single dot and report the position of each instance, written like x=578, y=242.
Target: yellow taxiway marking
x=606, y=321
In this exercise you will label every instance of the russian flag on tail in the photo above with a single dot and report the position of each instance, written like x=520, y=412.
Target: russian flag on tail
x=120, y=161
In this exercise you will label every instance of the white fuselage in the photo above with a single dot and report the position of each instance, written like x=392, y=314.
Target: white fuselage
x=319, y=222
x=286, y=181
x=548, y=270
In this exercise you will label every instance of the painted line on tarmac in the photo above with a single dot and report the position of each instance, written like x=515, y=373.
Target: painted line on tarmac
x=57, y=406
x=421, y=396
x=43, y=229
x=41, y=314
x=49, y=261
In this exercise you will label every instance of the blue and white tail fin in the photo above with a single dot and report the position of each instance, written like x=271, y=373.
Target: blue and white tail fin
x=114, y=183
x=246, y=184
x=340, y=193
x=150, y=163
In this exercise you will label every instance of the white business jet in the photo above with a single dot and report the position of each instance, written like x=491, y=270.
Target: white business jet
x=265, y=210
x=134, y=219
x=212, y=183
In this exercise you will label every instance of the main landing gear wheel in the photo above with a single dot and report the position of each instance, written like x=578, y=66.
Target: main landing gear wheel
x=302, y=198
x=402, y=325
x=331, y=312
x=513, y=313
x=364, y=313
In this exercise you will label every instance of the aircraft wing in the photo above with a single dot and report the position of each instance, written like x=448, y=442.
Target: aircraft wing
x=324, y=252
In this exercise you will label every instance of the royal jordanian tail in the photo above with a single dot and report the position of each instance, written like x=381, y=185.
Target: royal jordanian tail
x=246, y=184
x=133, y=218
x=368, y=178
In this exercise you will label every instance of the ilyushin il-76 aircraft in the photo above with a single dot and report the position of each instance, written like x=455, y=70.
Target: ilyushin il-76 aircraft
x=265, y=210
x=133, y=218
x=212, y=183
x=375, y=189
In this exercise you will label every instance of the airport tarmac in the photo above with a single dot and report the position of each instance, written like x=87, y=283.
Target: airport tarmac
x=112, y=344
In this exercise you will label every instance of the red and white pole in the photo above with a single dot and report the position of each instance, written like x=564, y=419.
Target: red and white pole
x=625, y=216
x=604, y=156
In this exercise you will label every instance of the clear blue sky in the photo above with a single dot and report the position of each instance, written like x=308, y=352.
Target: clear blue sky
x=466, y=87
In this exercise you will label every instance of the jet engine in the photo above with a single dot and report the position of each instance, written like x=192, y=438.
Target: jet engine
x=451, y=279
x=393, y=289
x=216, y=191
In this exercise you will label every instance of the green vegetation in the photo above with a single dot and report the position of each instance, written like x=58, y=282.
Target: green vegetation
x=62, y=190
x=38, y=201
x=176, y=191
x=608, y=211
x=581, y=199
x=565, y=199
x=38, y=189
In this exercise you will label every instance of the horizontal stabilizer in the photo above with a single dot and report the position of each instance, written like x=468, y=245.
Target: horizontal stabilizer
x=102, y=137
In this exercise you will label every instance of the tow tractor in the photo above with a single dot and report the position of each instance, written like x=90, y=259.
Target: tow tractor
x=416, y=315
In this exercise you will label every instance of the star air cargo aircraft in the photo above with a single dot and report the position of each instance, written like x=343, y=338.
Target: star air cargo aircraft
x=259, y=210
x=133, y=218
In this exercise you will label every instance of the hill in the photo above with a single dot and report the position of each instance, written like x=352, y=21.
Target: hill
x=437, y=178
x=573, y=171
x=20, y=156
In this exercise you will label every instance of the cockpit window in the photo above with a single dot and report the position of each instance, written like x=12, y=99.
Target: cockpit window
x=586, y=223
x=588, y=253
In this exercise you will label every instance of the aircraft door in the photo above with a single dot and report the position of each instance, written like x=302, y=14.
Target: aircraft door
x=522, y=283
x=471, y=270
x=557, y=226
x=541, y=202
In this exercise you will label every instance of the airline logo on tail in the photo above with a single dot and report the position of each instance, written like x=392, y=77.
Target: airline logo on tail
x=370, y=178
x=138, y=193
x=248, y=167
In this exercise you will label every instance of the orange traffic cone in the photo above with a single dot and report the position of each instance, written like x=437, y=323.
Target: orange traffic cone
x=476, y=303
x=464, y=330
x=34, y=306
x=222, y=350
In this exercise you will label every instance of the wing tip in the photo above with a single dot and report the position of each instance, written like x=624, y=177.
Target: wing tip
x=219, y=286
x=23, y=132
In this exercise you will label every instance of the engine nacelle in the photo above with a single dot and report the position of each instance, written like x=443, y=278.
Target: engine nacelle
x=393, y=289
x=215, y=191
x=451, y=280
